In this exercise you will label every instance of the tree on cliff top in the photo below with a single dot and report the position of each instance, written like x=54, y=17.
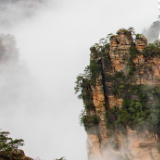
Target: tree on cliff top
x=7, y=143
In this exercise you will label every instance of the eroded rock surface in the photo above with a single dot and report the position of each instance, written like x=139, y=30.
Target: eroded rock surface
x=133, y=146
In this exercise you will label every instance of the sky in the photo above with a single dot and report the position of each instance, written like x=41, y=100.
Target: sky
x=39, y=104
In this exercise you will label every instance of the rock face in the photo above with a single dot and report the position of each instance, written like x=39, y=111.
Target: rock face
x=133, y=145
x=16, y=155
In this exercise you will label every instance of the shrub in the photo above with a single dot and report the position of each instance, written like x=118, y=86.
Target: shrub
x=151, y=50
x=89, y=121
x=106, y=57
x=95, y=70
x=89, y=106
x=108, y=77
x=8, y=144
x=157, y=43
x=119, y=75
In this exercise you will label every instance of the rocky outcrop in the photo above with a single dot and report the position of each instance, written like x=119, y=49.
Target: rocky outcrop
x=141, y=43
x=14, y=155
x=133, y=145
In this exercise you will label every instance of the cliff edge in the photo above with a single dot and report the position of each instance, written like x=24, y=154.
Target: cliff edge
x=120, y=90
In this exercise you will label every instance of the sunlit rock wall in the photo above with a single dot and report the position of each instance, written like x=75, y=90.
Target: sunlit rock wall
x=134, y=146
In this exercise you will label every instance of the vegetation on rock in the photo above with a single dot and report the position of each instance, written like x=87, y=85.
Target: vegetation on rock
x=90, y=121
x=141, y=104
x=8, y=144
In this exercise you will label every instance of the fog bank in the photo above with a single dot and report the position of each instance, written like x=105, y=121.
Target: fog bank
x=39, y=103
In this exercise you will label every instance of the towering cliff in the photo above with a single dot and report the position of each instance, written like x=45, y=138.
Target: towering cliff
x=120, y=90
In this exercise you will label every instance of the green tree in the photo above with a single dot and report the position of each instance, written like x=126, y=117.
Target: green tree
x=157, y=43
x=8, y=144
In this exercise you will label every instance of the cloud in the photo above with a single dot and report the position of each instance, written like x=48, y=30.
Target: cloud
x=39, y=104
x=13, y=12
x=153, y=32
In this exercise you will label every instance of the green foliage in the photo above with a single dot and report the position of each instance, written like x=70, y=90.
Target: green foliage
x=119, y=84
x=133, y=53
x=130, y=72
x=133, y=114
x=154, y=124
x=106, y=57
x=111, y=116
x=119, y=76
x=95, y=70
x=136, y=111
x=95, y=53
x=131, y=30
x=156, y=92
x=85, y=95
x=107, y=46
x=93, y=48
x=83, y=85
x=108, y=77
x=8, y=144
x=157, y=43
x=125, y=31
x=151, y=50
x=135, y=89
x=110, y=35
x=83, y=80
x=120, y=90
x=99, y=47
x=89, y=106
x=89, y=121
x=139, y=36
x=91, y=72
